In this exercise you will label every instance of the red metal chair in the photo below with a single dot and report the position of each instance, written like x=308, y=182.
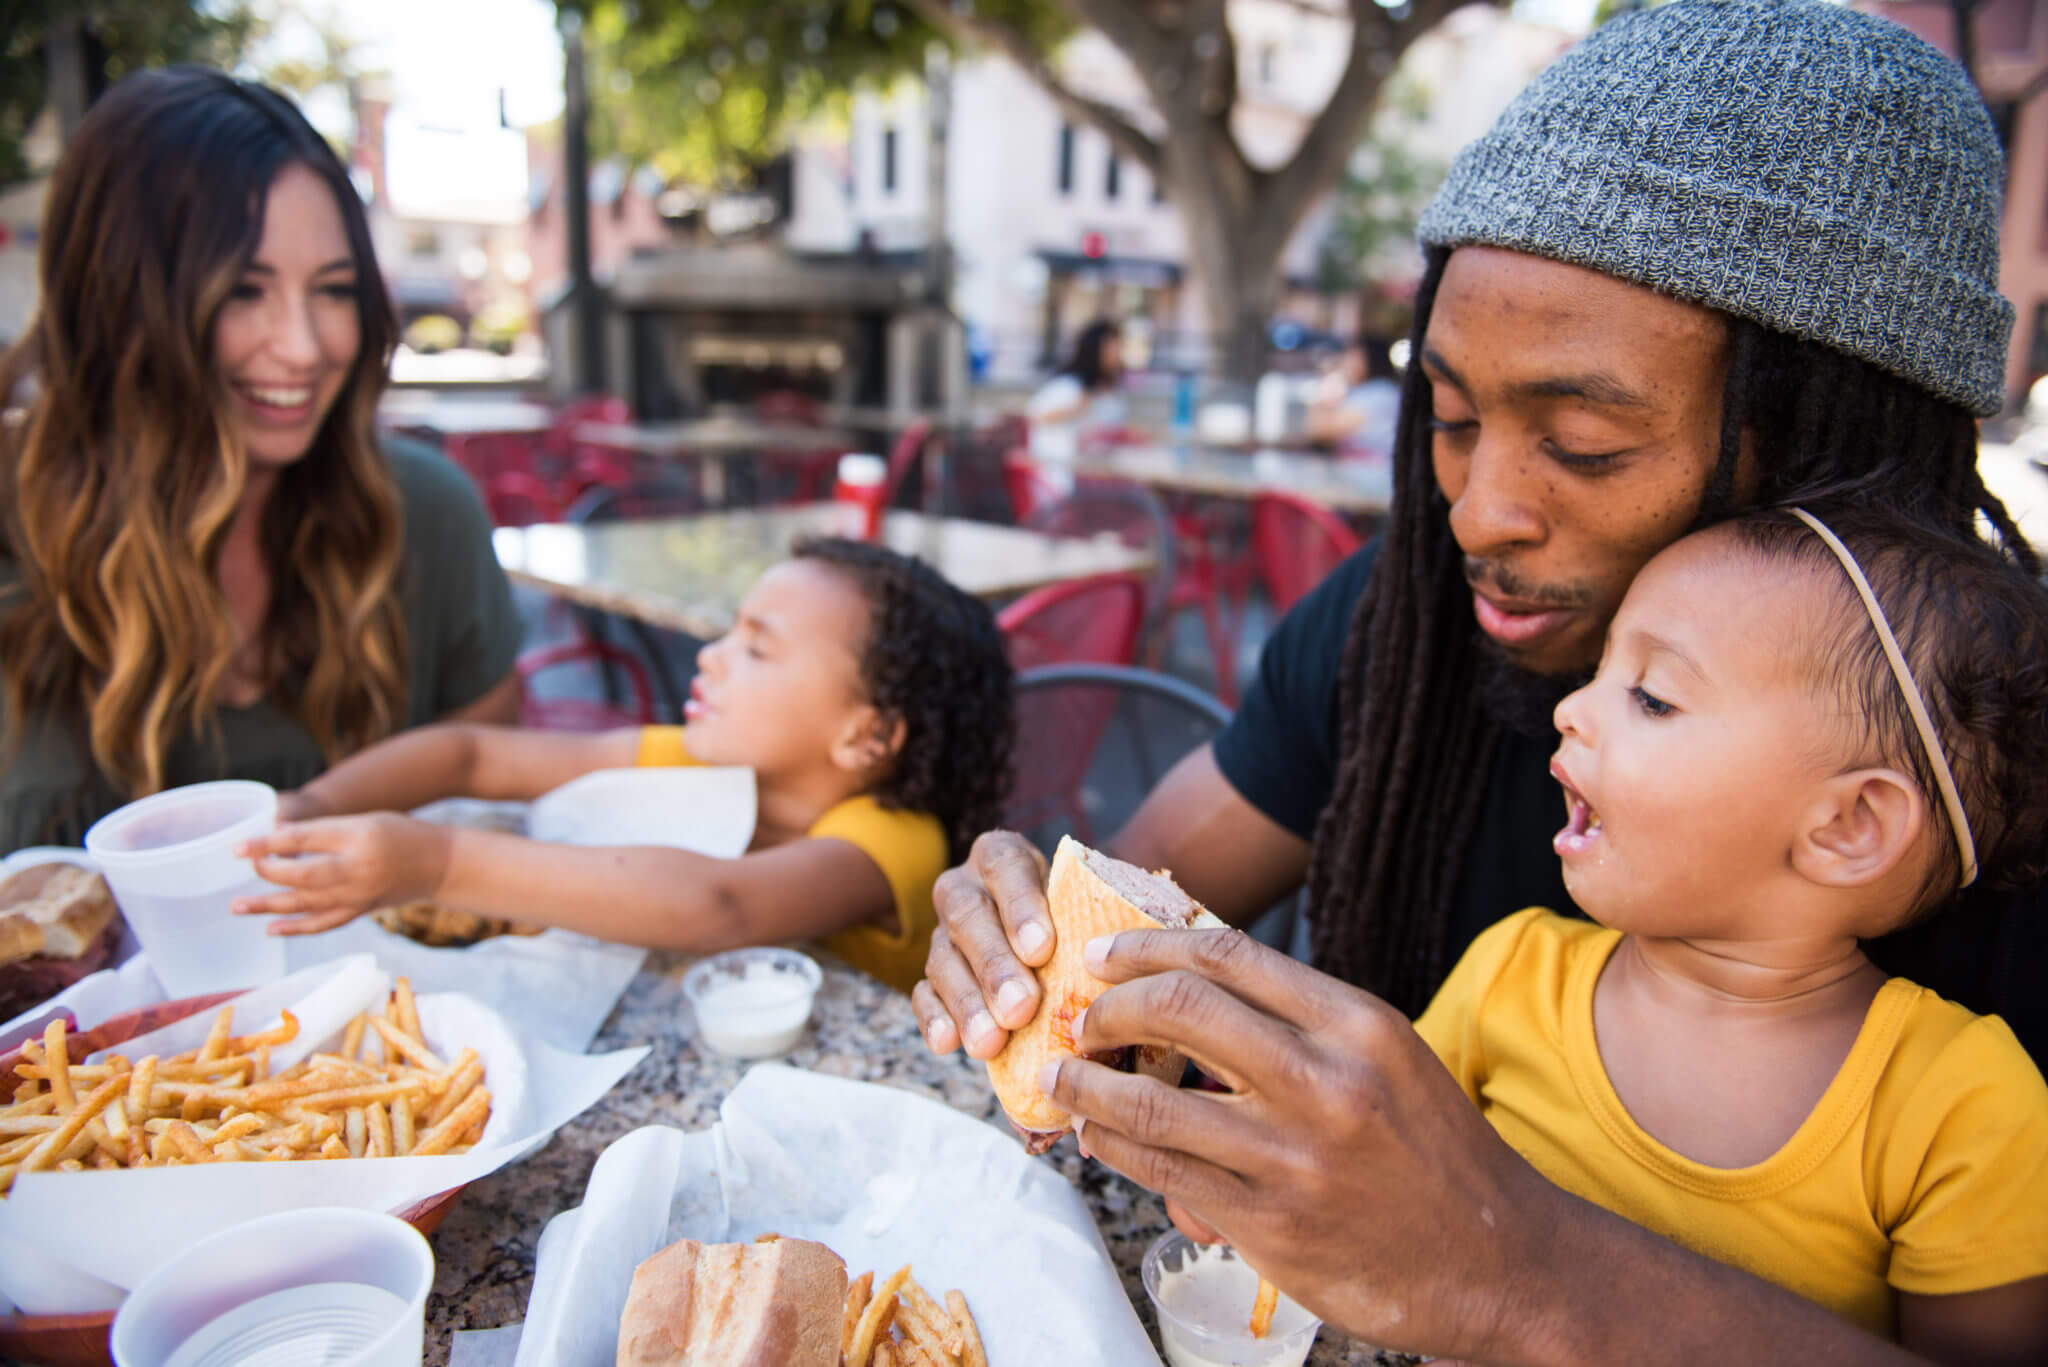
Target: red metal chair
x=596, y=465
x=1102, y=737
x=903, y=457
x=486, y=455
x=1296, y=541
x=803, y=476
x=583, y=714
x=1027, y=485
x=1133, y=515
x=560, y=439
x=1084, y=621
x=518, y=499
x=1195, y=570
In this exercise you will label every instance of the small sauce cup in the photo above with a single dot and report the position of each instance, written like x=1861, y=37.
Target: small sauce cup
x=753, y=1003
x=1203, y=1295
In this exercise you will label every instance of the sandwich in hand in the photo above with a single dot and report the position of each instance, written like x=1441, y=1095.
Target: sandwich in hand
x=1089, y=894
x=57, y=924
x=774, y=1304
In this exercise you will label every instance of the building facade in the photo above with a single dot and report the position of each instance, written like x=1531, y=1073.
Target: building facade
x=447, y=210
x=1050, y=228
x=2009, y=57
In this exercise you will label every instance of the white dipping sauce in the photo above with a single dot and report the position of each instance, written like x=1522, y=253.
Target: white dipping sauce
x=758, y=1012
x=1211, y=1294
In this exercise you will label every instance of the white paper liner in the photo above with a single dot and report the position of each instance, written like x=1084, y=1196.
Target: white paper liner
x=880, y=1176
x=95, y=1230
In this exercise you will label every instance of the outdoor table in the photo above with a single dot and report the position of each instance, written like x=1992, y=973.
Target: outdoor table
x=688, y=574
x=861, y=1029
x=718, y=439
x=452, y=417
x=1339, y=484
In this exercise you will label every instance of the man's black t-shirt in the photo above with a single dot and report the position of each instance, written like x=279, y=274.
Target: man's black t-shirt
x=1990, y=952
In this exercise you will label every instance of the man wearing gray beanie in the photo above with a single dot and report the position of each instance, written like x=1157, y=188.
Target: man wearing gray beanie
x=1723, y=253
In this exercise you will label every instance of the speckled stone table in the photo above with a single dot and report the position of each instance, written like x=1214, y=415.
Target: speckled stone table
x=484, y=1250
x=688, y=574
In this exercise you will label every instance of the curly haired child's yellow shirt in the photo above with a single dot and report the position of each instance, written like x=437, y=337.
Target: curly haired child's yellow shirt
x=1923, y=1168
x=908, y=847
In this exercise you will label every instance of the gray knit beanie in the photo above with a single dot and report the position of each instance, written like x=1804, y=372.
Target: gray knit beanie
x=1822, y=172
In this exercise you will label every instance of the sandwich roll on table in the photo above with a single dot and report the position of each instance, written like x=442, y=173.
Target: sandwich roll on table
x=1088, y=894
x=770, y=1304
x=57, y=924
x=785, y=1302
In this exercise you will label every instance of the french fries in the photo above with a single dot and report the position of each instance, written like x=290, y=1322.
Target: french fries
x=383, y=1093
x=1262, y=1308
x=899, y=1324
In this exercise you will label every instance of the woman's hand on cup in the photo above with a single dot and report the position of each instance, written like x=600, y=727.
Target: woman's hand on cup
x=994, y=930
x=1343, y=1147
x=337, y=868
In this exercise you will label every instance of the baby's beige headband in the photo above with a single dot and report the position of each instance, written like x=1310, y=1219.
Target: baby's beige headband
x=1937, y=758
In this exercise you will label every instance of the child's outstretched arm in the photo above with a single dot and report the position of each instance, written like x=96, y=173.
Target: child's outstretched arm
x=413, y=768
x=641, y=895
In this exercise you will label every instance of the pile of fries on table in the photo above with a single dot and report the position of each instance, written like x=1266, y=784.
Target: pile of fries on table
x=899, y=1325
x=382, y=1094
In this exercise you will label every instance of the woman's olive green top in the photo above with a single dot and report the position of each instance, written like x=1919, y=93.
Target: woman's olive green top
x=462, y=634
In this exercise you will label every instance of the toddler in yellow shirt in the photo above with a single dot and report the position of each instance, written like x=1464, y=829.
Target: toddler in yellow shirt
x=870, y=698
x=1754, y=782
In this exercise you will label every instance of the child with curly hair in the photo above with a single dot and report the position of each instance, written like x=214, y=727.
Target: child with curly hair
x=1808, y=729
x=870, y=698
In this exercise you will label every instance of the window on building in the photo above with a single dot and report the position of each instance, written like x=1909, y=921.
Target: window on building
x=1066, y=171
x=888, y=161
x=1158, y=189
x=1269, y=63
x=1113, y=176
x=423, y=242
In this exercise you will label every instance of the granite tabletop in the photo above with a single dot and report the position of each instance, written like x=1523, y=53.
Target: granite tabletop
x=861, y=1029
x=723, y=434
x=688, y=574
x=1346, y=484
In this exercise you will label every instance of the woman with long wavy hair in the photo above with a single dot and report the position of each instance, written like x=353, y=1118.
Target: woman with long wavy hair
x=209, y=567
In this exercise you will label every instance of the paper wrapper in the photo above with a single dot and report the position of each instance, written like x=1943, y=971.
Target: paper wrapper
x=560, y=986
x=72, y=1242
x=881, y=1177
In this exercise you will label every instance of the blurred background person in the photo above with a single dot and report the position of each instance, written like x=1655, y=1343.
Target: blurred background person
x=1358, y=401
x=1086, y=397
x=209, y=568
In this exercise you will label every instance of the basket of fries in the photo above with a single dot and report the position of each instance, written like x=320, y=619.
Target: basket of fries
x=381, y=1092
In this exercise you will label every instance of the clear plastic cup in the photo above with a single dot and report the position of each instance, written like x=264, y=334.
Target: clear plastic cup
x=1203, y=1295
x=753, y=1003
x=169, y=860
x=322, y=1287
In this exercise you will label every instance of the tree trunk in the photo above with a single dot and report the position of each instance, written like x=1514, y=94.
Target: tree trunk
x=1227, y=211
x=1239, y=276
x=1238, y=217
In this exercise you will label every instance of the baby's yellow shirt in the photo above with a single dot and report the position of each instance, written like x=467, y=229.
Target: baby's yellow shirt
x=1923, y=1168
x=908, y=847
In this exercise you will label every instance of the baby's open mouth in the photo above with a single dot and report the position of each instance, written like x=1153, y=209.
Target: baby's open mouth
x=1582, y=823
